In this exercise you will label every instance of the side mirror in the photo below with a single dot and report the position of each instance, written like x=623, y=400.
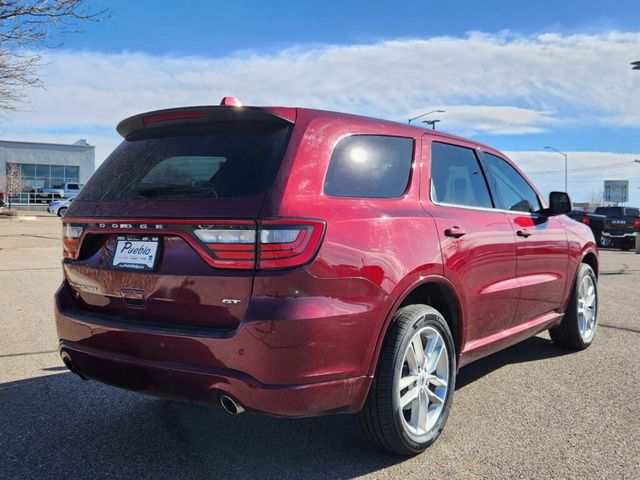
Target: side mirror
x=559, y=204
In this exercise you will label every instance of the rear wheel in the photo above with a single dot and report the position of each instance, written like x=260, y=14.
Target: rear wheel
x=411, y=396
x=578, y=327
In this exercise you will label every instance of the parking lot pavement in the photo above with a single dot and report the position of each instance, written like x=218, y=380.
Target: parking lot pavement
x=531, y=411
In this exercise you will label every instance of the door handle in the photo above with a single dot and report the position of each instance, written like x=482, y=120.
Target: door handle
x=523, y=232
x=455, y=232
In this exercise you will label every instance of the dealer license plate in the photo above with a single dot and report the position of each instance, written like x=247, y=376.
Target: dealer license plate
x=136, y=254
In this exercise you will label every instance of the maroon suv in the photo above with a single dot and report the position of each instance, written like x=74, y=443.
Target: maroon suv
x=299, y=262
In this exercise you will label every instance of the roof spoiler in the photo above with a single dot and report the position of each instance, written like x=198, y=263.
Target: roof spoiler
x=204, y=114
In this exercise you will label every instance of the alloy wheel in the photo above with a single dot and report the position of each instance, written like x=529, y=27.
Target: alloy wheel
x=587, y=309
x=423, y=381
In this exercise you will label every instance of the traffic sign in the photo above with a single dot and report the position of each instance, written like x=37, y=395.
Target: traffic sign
x=616, y=191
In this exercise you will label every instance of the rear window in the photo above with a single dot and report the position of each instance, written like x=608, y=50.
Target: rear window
x=632, y=212
x=370, y=166
x=225, y=160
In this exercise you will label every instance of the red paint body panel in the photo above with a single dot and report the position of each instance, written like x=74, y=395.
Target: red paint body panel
x=305, y=341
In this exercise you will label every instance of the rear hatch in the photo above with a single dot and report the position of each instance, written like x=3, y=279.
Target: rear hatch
x=164, y=233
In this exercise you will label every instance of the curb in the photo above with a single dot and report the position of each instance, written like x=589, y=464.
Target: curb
x=18, y=218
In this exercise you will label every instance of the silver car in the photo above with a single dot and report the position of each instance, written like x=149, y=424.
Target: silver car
x=59, y=207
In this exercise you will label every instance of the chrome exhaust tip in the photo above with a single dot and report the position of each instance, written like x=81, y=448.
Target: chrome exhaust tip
x=230, y=405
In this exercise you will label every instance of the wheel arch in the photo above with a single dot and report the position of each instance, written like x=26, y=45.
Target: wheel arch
x=591, y=259
x=437, y=292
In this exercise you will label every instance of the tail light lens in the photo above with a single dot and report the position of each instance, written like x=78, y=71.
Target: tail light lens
x=274, y=244
x=585, y=220
x=229, y=246
x=71, y=235
x=286, y=244
x=636, y=223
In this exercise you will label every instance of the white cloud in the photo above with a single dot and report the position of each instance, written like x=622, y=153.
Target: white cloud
x=503, y=84
x=469, y=120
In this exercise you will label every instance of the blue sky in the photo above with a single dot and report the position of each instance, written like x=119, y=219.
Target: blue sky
x=191, y=27
x=516, y=75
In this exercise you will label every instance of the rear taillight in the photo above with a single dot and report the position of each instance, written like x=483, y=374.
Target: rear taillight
x=229, y=246
x=286, y=244
x=71, y=235
x=636, y=223
x=585, y=220
x=273, y=244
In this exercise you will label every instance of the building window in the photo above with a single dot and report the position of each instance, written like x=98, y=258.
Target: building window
x=47, y=176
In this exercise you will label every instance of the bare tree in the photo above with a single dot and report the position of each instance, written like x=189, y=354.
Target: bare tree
x=596, y=198
x=26, y=27
x=12, y=183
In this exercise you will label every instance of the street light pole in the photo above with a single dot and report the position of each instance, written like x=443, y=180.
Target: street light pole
x=565, y=165
x=424, y=115
x=431, y=122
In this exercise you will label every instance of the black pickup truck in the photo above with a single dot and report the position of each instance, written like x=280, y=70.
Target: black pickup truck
x=621, y=226
x=595, y=223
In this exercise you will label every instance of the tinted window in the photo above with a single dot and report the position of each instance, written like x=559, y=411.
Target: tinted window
x=513, y=191
x=632, y=212
x=370, y=166
x=223, y=160
x=456, y=177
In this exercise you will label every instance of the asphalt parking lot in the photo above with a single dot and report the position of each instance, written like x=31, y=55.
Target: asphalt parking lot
x=532, y=411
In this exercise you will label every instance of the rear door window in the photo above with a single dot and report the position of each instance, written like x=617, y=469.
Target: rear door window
x=513, y=192
x=221, y=160
x=370, y=166
x=457, y=177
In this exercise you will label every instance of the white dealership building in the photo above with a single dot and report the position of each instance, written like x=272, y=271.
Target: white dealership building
x=47, y=165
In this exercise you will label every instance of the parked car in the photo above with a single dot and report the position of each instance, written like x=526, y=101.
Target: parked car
x=60, y=207
x=595, y=223
x=298, y=262
x=65, y=190
x=621, y=226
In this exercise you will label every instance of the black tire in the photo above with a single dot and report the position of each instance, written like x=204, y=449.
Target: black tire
x=567, y=334
x=381, y=418
x=597, y=237
x=62, y=211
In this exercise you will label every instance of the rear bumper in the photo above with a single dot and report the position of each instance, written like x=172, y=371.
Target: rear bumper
x=285, y=368
x=620, y=235
x=202, y=385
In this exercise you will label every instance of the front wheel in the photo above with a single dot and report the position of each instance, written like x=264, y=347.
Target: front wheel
x=578, y=327
x=411, y=395
x=62, y=211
